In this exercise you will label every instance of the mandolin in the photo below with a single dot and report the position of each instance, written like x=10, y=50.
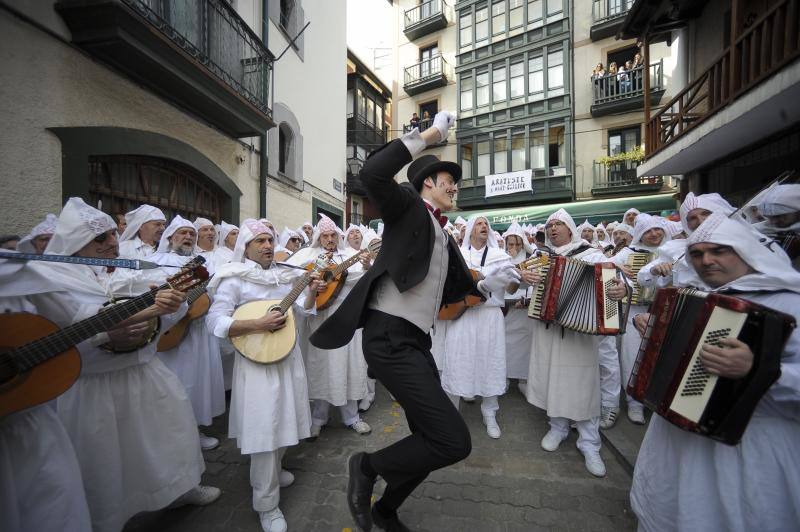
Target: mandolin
x=336, y=274
x=453, y=311
x=269, y=347
x=199, y=303
x=39, y=361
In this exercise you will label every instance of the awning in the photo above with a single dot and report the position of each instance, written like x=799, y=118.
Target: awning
x=594, y=210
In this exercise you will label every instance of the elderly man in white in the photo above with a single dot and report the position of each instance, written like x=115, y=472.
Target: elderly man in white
x=36, y=241
x=145, y=225
x=206, y=235
x=517, y=324
x=684, y=481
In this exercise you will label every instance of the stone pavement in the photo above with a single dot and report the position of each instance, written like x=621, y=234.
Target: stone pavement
x=506, y=485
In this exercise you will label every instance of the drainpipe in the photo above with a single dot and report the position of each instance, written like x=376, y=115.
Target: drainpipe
x=264, y=156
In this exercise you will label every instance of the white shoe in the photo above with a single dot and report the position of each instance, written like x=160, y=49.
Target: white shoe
x=594, y=464
x=492, y=428
x=285, y=478
x=522, y=385
x=552, y=440
x=315, y=430
x=608, y=417
x=361, y=427
x=636, y=414
x=273, y=521
x=197, y=496
x=364, y=404
x=208, y=442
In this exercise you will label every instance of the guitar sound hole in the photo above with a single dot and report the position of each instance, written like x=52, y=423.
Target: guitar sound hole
x=7, y=368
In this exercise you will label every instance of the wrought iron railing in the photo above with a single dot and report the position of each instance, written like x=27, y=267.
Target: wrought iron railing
x=422, y=124
x=214, y=34
x=614, y=87
x=422, y=12
x=769, y=43
x=605, y=10
x=424, y=70
x=620, y=174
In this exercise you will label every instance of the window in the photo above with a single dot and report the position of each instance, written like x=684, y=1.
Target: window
x=500, y=155
x=518, y=151
x=378, y=117
x=535, y=75
x=515, y=15
x=517, y=78
x=499, y=84
x=284, y=147
x=370, y=111
x=428, y=65
x=537, y=149
x=349, y=103
x=498, y=17
x=556, y=146
x=466, y=92
x=623, y=140
x=481, y=24
x=482, y=88
x=534, y=11
x=362, y=104
x=465, y=29
x=466, y=160
x=555, y=69
x=554, y=7
x=484, y=158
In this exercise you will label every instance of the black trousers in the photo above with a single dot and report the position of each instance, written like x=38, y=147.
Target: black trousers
x=398, y=354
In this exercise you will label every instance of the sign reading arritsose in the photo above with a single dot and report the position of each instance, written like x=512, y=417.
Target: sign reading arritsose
x=508, y=183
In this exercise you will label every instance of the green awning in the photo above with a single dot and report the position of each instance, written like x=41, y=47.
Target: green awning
x=595, y=210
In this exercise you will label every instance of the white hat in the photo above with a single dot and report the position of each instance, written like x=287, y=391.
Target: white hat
x=78, y=224
x=45, y=227
x=176, y=223
x=138, y=217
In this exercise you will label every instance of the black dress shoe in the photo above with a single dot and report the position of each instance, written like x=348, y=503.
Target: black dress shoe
x=389, y=524
x=359, y=493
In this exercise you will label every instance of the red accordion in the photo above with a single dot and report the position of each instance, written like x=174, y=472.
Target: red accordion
x=573, y=294
x=669, y=376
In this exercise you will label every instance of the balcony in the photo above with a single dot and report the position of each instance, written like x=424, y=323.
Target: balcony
x=198, y=54
x=423, y=125
x=607, y=17
x=611, y=96
x=471, y=193
x=424, y=19
x=620, y=178
x=770, y=44
x=426, y=75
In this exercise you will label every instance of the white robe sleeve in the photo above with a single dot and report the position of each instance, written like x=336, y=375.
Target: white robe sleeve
x=226, y=298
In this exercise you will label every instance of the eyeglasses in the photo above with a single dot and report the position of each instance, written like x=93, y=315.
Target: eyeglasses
x=102, y=237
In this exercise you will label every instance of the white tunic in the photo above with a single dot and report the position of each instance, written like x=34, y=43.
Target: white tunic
x=269, y=402
x=128, y=417
x=135, y=249
x=519, y=328
x=683, y=481
x=475, y=346
x=564, y=372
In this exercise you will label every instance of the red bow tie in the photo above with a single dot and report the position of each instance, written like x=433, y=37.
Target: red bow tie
x=437, y=213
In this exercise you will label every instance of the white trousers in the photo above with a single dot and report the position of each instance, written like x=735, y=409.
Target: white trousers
x=631, y=341
x=588, y=432
x=370, y=390
x=489, y=405
x=320, y=409
x=609, y=372
x=265, y=470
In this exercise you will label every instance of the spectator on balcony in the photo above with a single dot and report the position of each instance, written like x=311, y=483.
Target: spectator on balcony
x=414, y=122
x=624, y=78
x=610, y=87
x=599, y=71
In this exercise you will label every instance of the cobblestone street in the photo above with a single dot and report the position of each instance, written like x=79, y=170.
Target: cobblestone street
x=509, y=484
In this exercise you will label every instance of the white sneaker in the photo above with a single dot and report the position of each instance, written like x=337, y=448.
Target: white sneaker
x=208, y=442
x=361, y=427
x=594, y=464
x=273, y=521
x=552, y=440
x=364, y=404
x=492, y=428
x=522, y=385
x=197, y=496
x=285, y=478
x=608, y=417
x=636, y=414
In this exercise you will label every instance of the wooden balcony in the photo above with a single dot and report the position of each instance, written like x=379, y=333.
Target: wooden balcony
x=620, y=178
x=610, y=95
x=768, y=45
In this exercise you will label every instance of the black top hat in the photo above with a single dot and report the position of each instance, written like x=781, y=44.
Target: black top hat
x=429, y=165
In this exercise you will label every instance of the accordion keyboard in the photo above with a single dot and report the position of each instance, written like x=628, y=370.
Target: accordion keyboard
x=636, y=261
x=535, y=309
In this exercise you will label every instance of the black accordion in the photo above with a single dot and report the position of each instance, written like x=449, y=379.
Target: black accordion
x=669, y=376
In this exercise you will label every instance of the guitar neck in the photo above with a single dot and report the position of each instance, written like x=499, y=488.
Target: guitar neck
x=195, y=293
x=297, y=289
x=347, y=263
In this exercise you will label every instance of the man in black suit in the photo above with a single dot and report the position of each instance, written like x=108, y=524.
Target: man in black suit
x=396, y=301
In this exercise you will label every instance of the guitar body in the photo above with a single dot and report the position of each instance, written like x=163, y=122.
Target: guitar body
x=326, y=298
x=42, y=383
x=453, y=311
x=267, y=347
x=175, y=335
x=281, y=256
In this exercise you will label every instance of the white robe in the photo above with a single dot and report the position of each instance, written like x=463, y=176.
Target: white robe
x=684, y=481
x=519, y=328
x=127, y=415
x=564, y=373
x=135, y=249
x=475, y=346
x=269, y=402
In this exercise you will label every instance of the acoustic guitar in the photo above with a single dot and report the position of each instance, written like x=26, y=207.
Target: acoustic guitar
x=336, y=274
x=269, y=347
x=453, y=311
x=199, y=303
x=39, y=361
x=281, y=256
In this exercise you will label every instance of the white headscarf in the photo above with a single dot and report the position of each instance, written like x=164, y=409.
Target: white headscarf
x=45, y=227
x=781, y=199
x=490, y=241
x=606, y=241
x=587, y=225
x=773, y=271
x=459, y=221
x=711, y=202
x=202, y=222
x=222, y=233
x=516, y=230
x=78, y=224
x=325, y=225
x=249, y=229
x=347, y=236
x=563, y=216
x=623, y=227
x=287, y=233
x=674, y=228
x=631, y=210
x=645, y=222
x=138, y=217
x=176, y=223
